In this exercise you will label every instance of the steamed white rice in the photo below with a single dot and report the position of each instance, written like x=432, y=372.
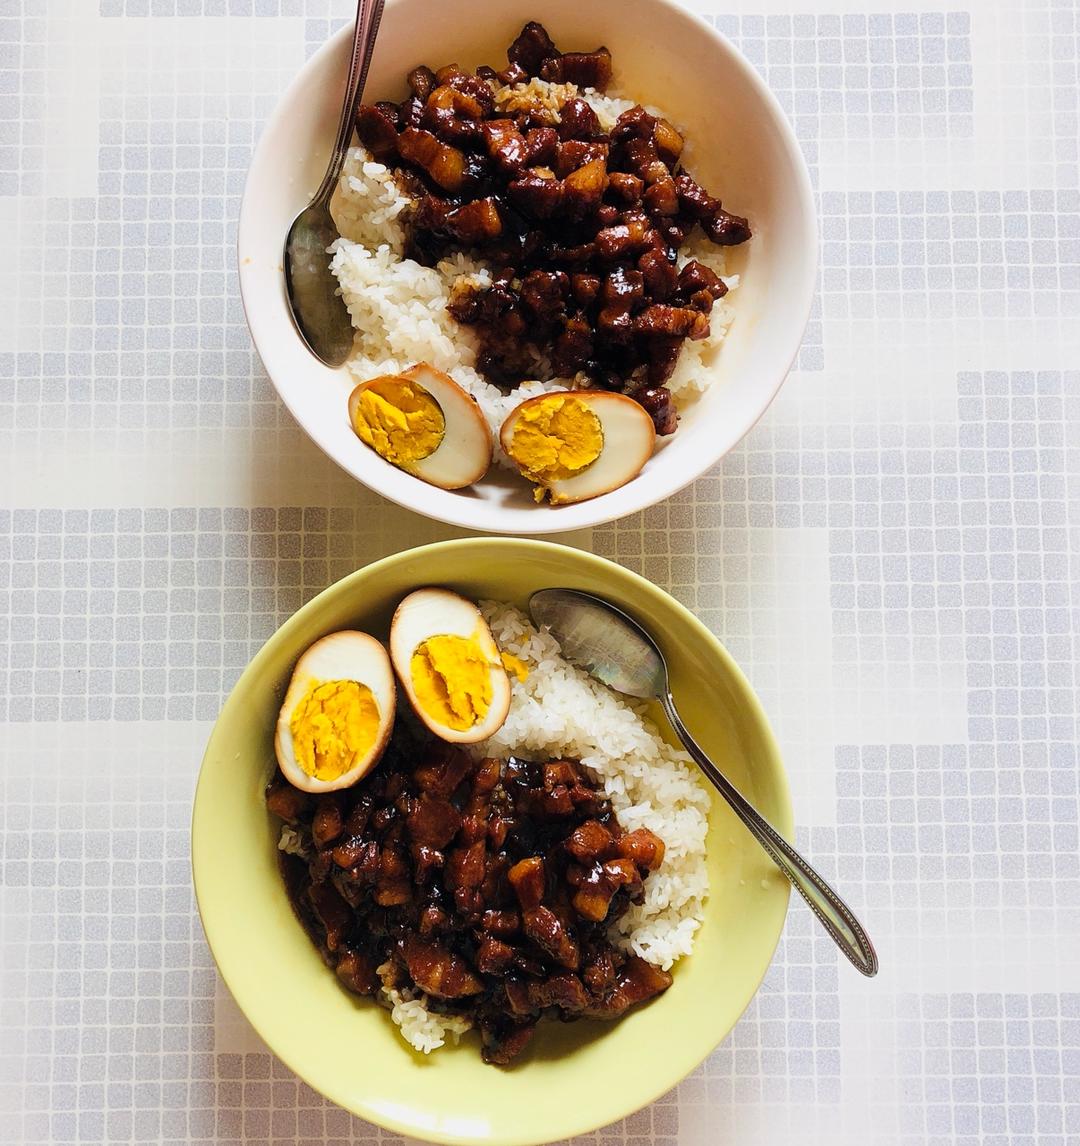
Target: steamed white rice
x=423, y=1029
x=398, y=305
x=561, y=711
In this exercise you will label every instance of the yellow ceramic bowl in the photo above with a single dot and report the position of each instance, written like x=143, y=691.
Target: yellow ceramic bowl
x=582, y=1075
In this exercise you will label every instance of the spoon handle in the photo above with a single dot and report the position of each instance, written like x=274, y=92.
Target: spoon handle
x=368, y=16
x=834, y=914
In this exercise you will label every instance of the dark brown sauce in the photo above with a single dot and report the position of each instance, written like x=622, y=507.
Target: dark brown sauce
x=582, y=226
x=489, y=886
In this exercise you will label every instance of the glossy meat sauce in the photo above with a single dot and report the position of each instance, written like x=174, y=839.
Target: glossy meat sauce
x=489, y=886
x=582, y=227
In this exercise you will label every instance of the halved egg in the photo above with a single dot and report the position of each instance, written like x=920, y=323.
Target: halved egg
x=577, y=444
x=423, y=422
x=338, y=713
x=449, y=665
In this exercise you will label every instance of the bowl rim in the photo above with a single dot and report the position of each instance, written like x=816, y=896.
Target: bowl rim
x=476, y=513
x=229, y=964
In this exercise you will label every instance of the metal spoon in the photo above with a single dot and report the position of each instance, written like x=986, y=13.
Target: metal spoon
x=317, y=309
x=619, y=653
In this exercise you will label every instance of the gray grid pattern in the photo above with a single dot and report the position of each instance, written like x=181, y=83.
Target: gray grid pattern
x=852, y=76
x=891, y=555
x=151, y=614
x=989, y=1068
x=941, y=254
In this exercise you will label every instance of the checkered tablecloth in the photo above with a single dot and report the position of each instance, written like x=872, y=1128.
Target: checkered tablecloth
x=892, y=555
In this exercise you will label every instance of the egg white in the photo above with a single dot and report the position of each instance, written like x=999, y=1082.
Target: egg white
x=439, y=612
x=347, y=655
x=629, y=438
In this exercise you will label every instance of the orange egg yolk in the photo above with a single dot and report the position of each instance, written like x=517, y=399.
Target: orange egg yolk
x=399, y=420
x=334, y=727
x=451, y=680
x=555, y=438
x=515, y=665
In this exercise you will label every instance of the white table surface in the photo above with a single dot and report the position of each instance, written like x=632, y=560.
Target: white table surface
x=892, y=555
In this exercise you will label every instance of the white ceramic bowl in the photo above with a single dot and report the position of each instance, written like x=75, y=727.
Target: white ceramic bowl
x=739, y=145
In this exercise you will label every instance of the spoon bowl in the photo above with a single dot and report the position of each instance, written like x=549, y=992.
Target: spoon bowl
x=317, y=309
x=603, y=640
